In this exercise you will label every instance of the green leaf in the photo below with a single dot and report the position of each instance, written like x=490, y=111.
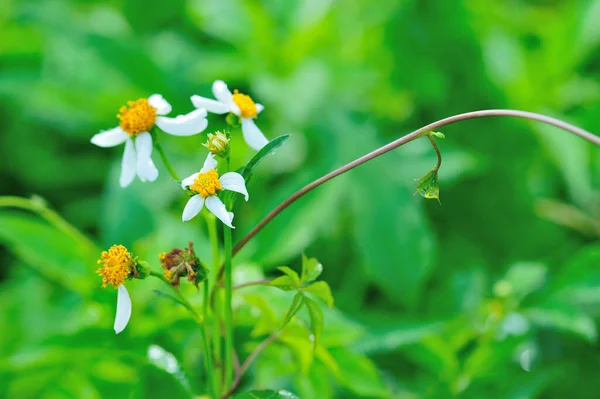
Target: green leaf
x=567, y=319
x=260, y=155
x=296, y=305
x=358, y=374
x=316, y=320
x=292, y=273
x=322, y=290
x=311, y=269
x=285, y=283
x=266, y=394
x=267, y=320
x=439, y=135
x=428, y=185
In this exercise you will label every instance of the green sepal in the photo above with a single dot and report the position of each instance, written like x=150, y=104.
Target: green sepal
x=232, y=119
x=141, y=270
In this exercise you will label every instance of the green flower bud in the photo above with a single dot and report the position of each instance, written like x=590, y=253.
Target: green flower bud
x=141, y=270
x=218, y=144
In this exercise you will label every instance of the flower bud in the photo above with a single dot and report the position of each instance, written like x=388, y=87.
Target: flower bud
x=218, y=144
x=141, y=270
x=182, y=263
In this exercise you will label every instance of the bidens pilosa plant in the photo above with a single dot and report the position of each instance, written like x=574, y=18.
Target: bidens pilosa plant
x=213, y=188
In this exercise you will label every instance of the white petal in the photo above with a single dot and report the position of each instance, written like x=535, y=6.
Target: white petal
x=209, y=164
x=216, y=206
x=234, y=182
x=110, y=138
x=161, y=105
x=145, y=168
x=252, y=134
x=188, y=181
x=223, y=94
x=216, y=107
x=123, y=309
x=193, y=207
x=128, y=164
x=259, y=108
x=184, y=125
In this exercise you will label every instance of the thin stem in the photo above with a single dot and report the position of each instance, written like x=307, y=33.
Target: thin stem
x=211, y=223
x=228, y=308
x=165, y=160
x=251, y=283
x=437, y=151
x=38, y=206
x=406, y=139
x=246, y=365
x=206, y=344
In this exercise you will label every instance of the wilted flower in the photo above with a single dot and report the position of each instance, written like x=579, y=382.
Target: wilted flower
x=218, y=144
x=117, y=266
x=239, y=104
x=182, y=262
x=136, y=121
x=206, y=185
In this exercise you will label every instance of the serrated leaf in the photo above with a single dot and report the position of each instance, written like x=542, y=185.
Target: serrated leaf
x=268, y=149
x=285, y=283
x=311, y=269
x=296, y=305
x=317, y=321
x=322, y=290
x=266, y=394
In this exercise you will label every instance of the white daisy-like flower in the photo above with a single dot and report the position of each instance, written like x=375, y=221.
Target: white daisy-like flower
x=239, y=104
x=207, y=184
x=136, y=121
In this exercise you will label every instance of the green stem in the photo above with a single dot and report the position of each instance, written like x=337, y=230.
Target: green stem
x=206, y=344
x=202, y=322
x=165, y=160
x=228, y=308
x=211, y=222
x=437, y=151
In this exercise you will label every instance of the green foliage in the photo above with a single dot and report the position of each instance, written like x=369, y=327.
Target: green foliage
x=431, y=302
x=267, y=394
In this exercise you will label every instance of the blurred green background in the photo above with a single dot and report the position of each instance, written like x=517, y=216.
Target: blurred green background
x=493, y=294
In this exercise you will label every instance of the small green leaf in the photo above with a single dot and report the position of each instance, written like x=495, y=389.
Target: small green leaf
x=296, y=305
x=322, y=290
x=316, y=320
x=292, y=273
x=267, y=320
x=438, y=135
x=266, y=394
x=285, y=283
x=270, y=148
x=428, y=185
x=311, y=269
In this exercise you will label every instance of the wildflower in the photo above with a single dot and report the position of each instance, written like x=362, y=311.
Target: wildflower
x=218, y=144
x=239, y=104
x=182, y=262
x=136, y=121
x=206, y=185
x=117, y=266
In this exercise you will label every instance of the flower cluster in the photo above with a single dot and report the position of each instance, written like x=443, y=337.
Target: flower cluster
x=139, y=124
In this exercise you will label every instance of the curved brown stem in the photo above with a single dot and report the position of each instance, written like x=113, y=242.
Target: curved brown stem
x=406, y=139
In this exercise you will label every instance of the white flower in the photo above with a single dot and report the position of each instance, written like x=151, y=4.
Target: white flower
x=241, y=105
x=206, y=184
x=136, y=120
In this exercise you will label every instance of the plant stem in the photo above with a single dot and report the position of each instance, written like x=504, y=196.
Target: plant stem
x=251, y=357
x=212, y=299
x=206, y=344
x=437, y=152
x=251, y=283
x=228, y=308
x=406, y=139
x=165, y=160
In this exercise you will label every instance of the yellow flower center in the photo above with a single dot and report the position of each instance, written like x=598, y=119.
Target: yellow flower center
x=207, y=183
x=138, y=116
x=246, y=105
x=117, y=264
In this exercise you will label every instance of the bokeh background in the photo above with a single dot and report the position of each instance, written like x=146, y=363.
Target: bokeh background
x=495, y=293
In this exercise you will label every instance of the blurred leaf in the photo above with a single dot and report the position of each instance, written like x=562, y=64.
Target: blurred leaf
x=266, y=394
x=564, y=319
x=359, y=374
x=322, y=290
x=521, y=280
x=291, y=273
x=296, y=305
x=285, y=283
x=317, y=321
x=311, y=269
x=267, y=320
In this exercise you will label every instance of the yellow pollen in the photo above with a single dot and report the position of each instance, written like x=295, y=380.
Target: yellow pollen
x=138, y=116
x=207, y=183
x=117, y=264
x=245, y=103
x=169, y=274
